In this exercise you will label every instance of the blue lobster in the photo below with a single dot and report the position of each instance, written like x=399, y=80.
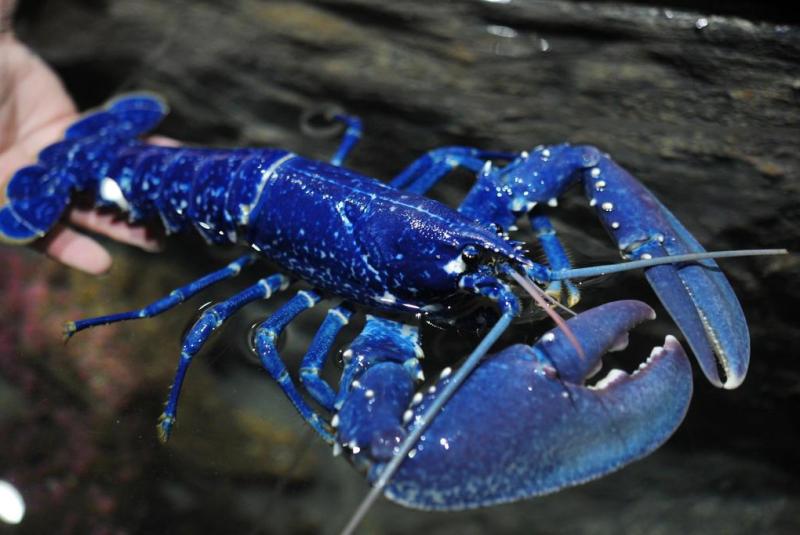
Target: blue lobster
x=514, y=424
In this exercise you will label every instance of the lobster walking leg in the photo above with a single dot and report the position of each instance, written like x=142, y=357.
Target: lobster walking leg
x=174, y=298
x=317, y=354
x=209, y=320
x=556, y=256
x=352, y=135
x=266, y=339
x=432, y=166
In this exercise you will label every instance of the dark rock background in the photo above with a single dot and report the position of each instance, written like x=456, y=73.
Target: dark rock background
x=699, y=99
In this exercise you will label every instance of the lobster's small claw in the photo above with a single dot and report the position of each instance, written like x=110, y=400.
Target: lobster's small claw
x=525, y=423
x=697, y=295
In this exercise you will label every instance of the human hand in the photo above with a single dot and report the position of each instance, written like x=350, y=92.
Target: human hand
x=35, y=110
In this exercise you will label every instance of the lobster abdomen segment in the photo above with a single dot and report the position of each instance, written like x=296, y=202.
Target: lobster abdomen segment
x=184, y=187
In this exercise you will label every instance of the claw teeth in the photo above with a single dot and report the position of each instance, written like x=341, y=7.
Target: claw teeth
x=655, y=353
x=613, y=377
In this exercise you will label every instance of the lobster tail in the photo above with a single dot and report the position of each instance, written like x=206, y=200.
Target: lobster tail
x=126, y=116
x=35, y=200
x=37, y=195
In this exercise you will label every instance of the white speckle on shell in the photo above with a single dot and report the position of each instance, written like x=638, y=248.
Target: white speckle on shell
x=455, y=266
x=111, y=192
x=387, y=298
x=612, y=377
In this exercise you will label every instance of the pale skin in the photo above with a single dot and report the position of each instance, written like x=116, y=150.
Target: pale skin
x=35, y=109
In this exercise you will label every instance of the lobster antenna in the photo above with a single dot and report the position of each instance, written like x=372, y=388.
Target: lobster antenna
x=547, y=297
x=538, y=296
x=578, y=273
x=425, y=420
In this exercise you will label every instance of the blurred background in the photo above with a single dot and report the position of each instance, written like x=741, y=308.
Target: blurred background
x=699, y=99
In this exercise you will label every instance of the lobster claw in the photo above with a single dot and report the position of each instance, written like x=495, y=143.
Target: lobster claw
x=524, y=423
x=697, y=295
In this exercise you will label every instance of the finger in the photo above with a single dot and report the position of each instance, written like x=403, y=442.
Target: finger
x=75, y=250
x=109, y=224
x=163, y=141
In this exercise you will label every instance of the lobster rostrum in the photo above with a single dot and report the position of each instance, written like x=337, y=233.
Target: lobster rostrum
x=506, y=426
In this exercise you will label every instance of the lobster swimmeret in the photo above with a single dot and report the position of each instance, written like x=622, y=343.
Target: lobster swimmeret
x=523, y=422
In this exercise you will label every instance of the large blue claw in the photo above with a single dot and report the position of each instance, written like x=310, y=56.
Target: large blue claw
x=697, y=295
x=525, y=424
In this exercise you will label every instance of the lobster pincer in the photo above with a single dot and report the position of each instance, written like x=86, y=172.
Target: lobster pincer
x=526, y=424
x=696, y=294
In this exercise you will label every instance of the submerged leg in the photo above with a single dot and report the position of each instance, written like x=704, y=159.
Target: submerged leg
x=174, y=298
x=208, y=322
x=318, y=353
x=266, y=345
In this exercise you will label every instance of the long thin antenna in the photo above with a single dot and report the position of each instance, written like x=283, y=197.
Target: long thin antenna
x=579, y=273
x=425, y=420
x=537, y=294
